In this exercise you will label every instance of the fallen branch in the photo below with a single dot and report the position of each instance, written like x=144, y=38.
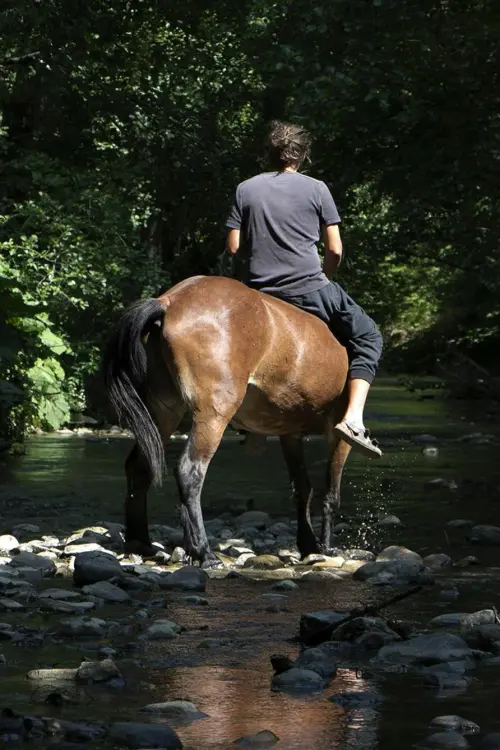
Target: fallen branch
x=370, y=610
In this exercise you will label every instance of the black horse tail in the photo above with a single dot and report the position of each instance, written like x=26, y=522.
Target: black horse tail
x=124, y=368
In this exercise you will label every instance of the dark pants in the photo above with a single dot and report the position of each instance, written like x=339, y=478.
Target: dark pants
x=350, y=325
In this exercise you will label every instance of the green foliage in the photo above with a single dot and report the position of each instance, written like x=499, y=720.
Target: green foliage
x=124, y=128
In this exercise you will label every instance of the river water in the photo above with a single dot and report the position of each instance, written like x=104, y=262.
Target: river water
x=221, y=662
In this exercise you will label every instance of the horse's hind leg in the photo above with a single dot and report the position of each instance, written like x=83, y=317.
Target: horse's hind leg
x=338, y=453
x=293, y=451
x=204, y=439
x=139, y=479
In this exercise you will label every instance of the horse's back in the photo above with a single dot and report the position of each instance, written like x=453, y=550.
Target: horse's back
x=283, y=365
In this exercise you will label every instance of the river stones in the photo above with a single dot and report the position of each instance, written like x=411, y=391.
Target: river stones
x=318, y=626
x=297, y=680
x=134, y=735
x=188, y=578
x=356, y=699
x=8, y=543
x=435, y=647
x=182, y=712
x=256, y=518
x=449, y=620
x=285, y=586
x=38, y=562
x=107, y=591
x=263, y=562
x=389, y=521
x=454, y=724
x=365, y=632
x=319, y=661
x=264, y=738
x=485, y=534
x=437, y=561
x=97, y=671
x=162, y=630
x=92, y=567
x=82, y=626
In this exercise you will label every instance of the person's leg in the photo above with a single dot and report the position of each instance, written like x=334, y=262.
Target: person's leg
x=359, y=334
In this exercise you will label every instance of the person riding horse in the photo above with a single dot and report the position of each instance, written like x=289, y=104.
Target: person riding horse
x=280, y=216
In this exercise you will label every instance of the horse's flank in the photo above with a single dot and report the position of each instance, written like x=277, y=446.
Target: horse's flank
x=278, y=369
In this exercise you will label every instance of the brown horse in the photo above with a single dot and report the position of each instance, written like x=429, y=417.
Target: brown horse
x=228, y=355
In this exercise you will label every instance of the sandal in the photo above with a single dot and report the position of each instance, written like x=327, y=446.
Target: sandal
x=358, y=438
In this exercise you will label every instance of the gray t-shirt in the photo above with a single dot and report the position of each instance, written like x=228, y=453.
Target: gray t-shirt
x=280, y=215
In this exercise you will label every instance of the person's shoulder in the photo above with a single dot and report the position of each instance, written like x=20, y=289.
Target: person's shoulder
x=256, y=179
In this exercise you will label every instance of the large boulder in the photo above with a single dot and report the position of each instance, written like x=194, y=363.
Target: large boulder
x=425, y=649
x=132, y=734
x=188, y=578
x=92, y=567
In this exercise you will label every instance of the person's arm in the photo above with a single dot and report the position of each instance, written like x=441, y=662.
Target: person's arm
x=333, y=249
x=232, y=241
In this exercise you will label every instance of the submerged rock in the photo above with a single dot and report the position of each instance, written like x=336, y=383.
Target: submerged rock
x=356, y=699
x=38, y=562
x=162, y=630
x=437, y=561
x=445, y=740
x=264, y=738
x=135, y=735
x=435, y=647
x=297, y=680
x=318, y=626
x=366, y=632
x=448, y=620
x=256, y=518
x=176, y=711
x=92, y=567
x=485, y=534
x=107, y=591
x=82, y=626
x=454, y=724
x=188, y=578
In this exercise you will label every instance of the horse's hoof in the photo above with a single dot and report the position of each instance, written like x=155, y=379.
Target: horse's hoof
x=135, y=547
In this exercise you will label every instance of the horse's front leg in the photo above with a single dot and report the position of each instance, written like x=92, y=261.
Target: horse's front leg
x=338, y=453
x=293, y=451
x=190, y=473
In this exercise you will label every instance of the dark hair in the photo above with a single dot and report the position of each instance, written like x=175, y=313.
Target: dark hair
x=287, y=144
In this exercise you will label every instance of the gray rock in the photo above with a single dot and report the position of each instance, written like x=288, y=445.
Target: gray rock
x=9, y=605
x=319, y=624
x=182, y=712
x=23, y=529
x=60, y=594
x=97, y=671
x=485, y=534
x=178, y=555
x=390, y=520
x=482, y=637
x=359, y=554
x=319, y=661
x=134, y=735
x=92, y=567
x=390, y=554
x=451, y=740
x=257, y=518
x=482, y=617
x=52, y=676
x=67, y=608
x=199, y=601
x=467, y=561
x=285, y=586
x=460, y=523
x=83, y=546
x=30, y=560
x=445, y=681
x=264, y=562
x=107, y=591
x=448, y=620
x=366, y=632
x=454, y=724
x=437, y=561
x=188, y=578
x=425, y=648
x=8, y=543
x=264, y=738
x=297, y=680
x=162, y=630
x=396, y=571
x=82, y=626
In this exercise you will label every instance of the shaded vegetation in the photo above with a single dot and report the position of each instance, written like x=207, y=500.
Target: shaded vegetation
x=125, y=126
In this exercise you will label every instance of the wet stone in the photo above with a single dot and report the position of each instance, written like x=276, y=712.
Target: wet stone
x=485, y=534
x=107, y=591
x=449, y=620
x=467, y=561
x=9, y=605
x=257, y=518
x=319, y=624
x=444, y=740
x=97, y=671
x=60, y=594
x=199, y=601
x=455, y=724
x=92, y=567
x=84, y=546
x=285, y=586
x=52, y=676
x=389, y=554
x=8, y=543
x=264, y=562
x=446, y=681
x=297, y=680
x=366, y=632
x=82, y=626
x=437, y=561
x=390, y=520
x=31, y=560
x=482, y=637
x=54, y=605
x=134, y=735
x=424, y=648
x=178, y=555
x=319, y=661
x=162, y=630
x=482, y=617
x=182, y=712
x=264, y=738
x=188, y=578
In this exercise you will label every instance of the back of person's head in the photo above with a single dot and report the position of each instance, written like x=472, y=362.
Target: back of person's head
x=287, y=145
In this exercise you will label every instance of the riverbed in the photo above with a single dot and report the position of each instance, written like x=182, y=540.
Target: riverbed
x=440, y=464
